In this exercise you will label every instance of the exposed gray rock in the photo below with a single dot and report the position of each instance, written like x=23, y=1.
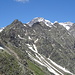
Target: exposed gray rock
x=53, y=41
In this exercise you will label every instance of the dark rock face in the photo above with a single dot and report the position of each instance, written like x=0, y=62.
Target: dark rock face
x=53, y=42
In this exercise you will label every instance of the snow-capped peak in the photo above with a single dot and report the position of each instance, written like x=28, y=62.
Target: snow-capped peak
x=67, y=25
x=39, y=19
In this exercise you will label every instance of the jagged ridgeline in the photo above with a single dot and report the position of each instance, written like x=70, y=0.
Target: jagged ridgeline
x=38, y=47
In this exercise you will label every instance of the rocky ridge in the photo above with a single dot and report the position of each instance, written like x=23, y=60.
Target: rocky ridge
x=45, y=45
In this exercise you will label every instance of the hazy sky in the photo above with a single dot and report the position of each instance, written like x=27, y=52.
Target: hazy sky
x=26, y=10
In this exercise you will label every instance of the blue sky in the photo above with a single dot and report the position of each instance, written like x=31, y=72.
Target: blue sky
x=26, y=10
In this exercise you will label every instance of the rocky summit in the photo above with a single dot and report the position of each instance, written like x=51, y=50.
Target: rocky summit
x=38, y=47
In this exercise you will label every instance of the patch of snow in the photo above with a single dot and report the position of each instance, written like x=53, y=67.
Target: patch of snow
x=56, y=22
x=39, y=19
x=28, y=45
x=29, y=38
x=59, y=66
x=36, y=40
x=2, y=29
x=5, y=50
x=25, y=25
x=35, y=48
x=35, y=59
x=51, y=70
x=31, y=48
x=48, y=65
x=48, y=23
x=1, y=48
x=67, y=25
x=21, y=37
x=38, y=57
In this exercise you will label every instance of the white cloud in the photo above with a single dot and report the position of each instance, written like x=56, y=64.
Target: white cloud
x=22, y=1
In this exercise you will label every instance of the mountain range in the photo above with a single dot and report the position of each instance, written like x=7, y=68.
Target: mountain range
x=38, y=47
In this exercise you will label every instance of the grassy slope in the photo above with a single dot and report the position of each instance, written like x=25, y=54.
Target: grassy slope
x=35, y=68
x=8, y=64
